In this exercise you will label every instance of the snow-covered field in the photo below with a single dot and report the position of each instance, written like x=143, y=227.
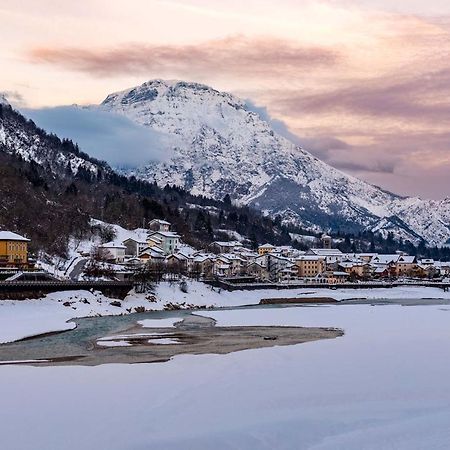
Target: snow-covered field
x=383, y=385
x=19, y=319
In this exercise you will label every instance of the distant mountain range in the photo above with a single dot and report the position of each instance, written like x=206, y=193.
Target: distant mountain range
x=218, y=146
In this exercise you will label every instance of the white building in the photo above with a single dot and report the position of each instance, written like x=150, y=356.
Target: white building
x=152, y=255
x=159, y=225
x=331, y=255
x=134, y=247
x=235, y=262
x=112, y=252
x=168, y=241
x=275, y=264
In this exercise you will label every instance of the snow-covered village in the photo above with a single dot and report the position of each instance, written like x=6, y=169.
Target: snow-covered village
x=118, y=271
x=224, y=225
x=160, y=252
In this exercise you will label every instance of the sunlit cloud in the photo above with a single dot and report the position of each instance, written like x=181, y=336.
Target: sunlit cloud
x=413, y=97
x=14, y=98
x=237, y=55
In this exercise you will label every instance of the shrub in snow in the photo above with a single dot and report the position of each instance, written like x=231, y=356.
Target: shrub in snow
x=184, y=287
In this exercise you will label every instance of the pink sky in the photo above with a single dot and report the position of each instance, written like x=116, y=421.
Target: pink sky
x=364, y=84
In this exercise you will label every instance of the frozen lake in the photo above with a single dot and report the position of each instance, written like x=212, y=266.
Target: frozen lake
x=384, y=385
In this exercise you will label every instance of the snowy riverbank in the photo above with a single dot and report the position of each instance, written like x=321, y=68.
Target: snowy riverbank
x=20, y=319
x=202, y=294
x=25, y=318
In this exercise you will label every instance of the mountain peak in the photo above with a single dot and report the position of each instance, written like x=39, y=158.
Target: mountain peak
x=150, y=90
x=220, y=147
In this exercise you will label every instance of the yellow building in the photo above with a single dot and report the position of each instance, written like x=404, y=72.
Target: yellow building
x=13, y=249
x=264, y=249
x=310, y=266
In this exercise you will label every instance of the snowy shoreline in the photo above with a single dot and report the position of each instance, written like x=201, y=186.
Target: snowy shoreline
x=27, y=318
x=20, y=319
x=202, y=294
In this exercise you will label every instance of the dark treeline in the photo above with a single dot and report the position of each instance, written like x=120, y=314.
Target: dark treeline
x=369, y=242
x=50, y=209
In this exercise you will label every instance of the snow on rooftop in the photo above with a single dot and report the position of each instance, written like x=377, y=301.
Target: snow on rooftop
x=135, y=240
x=385, y=259
x=407, y=259
x=160, y=221
x=326, y=251
x=112, y=245
x=10, y=236
x=310, y=258
x=168, y=234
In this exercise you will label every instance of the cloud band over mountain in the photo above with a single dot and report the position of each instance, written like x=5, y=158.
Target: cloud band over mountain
x=106, y=136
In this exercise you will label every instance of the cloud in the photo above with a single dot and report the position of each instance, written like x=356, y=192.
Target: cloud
x=366, y=92
x=234, y=55
x=372, y=167
x=406, y=163
x=104, y=135
x=318, y=145
x=413, y=96
x=277, y=125
x=14, y=98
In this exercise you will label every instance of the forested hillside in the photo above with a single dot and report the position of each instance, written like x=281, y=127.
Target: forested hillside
x=50, y=190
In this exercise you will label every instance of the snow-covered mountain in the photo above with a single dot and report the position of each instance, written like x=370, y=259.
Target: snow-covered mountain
x=219, y=146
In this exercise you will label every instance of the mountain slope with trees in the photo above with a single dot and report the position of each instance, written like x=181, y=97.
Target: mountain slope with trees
x=50, y=189
x=218, y=144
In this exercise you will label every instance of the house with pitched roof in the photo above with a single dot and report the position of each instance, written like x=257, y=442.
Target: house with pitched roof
x=159, y=225
x=168, y=241
x=134, y=247
x=112, y=252
x=265, y=248
x=13, y=249
x=331, y=255
x=310, y=265
x=405, y=264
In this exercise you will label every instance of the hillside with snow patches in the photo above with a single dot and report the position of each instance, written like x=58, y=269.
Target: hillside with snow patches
x=219, y=146
x=20, y=138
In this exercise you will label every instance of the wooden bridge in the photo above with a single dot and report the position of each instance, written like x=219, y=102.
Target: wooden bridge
x=20, y=290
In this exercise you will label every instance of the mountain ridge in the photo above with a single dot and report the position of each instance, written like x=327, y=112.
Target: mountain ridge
x=222, y=147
